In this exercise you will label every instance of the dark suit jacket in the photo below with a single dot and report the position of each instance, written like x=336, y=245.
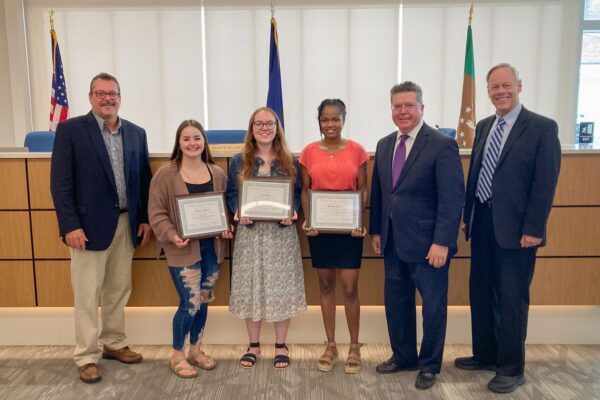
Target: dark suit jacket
x=426, y=203
x=83, y=184
x=524, y=181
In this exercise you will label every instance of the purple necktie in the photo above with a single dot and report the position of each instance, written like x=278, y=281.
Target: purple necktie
x=399, y=158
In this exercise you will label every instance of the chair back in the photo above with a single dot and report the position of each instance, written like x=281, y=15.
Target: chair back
x=220, y=136
x=40, y=141
x=451, y=132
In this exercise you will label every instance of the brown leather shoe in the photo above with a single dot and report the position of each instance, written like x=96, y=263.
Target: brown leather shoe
x=89, y=373
x=123, y=354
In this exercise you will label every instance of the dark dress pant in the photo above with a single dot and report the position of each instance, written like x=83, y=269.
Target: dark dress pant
x=401, y=280
x=499, y=296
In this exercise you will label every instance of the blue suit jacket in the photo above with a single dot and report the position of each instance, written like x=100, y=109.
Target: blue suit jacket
x=524, y=180
x=426, y=203
x=83, y=185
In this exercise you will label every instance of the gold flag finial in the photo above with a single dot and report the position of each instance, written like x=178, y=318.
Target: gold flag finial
x=470, y=13
x=51, y=16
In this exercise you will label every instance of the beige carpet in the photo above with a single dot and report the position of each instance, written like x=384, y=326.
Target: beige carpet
x=560, y=372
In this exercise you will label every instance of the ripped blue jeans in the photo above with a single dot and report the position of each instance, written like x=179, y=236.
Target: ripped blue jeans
x=190, y=283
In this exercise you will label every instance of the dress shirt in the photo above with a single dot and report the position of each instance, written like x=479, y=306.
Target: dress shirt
x=412, y=136
x=510, y=118
x=114, y=146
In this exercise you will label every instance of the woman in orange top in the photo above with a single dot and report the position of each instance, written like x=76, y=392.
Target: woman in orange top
x=335, y=163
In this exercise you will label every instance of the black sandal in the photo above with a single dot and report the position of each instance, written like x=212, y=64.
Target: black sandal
x=281, y=358
x=250, y=357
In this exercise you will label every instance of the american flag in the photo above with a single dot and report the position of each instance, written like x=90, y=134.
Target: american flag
x=59, y=106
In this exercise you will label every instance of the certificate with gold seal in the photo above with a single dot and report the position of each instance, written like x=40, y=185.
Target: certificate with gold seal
x=335, y=211
x=201, y=215
x=266, y=198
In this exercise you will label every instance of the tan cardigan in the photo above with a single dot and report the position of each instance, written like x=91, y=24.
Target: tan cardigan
x=166, y=184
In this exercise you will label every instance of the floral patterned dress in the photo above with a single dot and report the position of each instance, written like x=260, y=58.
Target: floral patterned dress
x=267, y=281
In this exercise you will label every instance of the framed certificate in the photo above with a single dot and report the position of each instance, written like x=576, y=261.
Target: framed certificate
x=266, y=198
x=335, y=211
x=201, y=215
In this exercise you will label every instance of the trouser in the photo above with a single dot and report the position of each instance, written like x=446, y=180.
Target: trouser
x=101, y=278
x=190, y=282
x=499, y=296
x=401, y=280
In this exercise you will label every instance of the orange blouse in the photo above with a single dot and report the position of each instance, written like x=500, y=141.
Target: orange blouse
x=333, y=171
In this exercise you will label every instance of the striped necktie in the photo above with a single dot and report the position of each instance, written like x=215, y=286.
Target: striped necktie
x=484, y=186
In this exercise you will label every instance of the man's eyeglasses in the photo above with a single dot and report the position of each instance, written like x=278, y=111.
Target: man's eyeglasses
x=111, y=95
x=259, y=124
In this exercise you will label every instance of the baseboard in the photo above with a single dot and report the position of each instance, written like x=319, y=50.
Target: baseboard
x=152, y=325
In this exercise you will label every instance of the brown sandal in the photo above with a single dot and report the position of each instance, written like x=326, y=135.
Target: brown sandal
x=201, y=360
x=325, y=362
x=353, y=363
x=178, y=369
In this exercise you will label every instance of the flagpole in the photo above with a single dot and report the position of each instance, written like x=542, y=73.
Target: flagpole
x=465, y=131
x=471, y=14
x=59, y=105
x=51, y=16
x=274, y=93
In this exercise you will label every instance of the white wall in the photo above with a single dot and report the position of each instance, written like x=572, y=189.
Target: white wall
x=549, y=68
x=6, y=111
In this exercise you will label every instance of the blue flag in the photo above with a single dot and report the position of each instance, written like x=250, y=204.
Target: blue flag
x=275, y=97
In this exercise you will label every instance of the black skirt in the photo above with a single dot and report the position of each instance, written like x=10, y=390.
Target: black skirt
x=335, y=250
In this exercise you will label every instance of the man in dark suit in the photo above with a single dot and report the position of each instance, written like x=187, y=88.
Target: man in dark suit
x=100, y=176
x=512, y=178
x=417, y=196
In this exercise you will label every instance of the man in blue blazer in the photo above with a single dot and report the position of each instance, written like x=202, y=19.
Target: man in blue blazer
x=513, y=173
x=99, y=179
x=417, y=196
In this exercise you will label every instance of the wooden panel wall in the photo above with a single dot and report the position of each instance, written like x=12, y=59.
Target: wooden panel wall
x=13, y=180
x=34, y=263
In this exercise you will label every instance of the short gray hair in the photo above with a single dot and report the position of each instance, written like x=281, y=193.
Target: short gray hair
x=503, y=65
x=105, y=77
x=407, y=86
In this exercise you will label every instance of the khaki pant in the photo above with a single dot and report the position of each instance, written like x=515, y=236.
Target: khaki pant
x=101, y=278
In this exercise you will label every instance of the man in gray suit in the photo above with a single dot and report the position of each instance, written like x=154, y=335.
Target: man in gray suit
x=417, y=196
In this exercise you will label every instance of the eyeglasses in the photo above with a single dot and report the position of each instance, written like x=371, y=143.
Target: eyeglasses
x=111, y=95
x=407, y=107
x=269, y=124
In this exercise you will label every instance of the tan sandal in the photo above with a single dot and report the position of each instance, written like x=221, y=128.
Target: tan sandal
x=201, y=360
x=179, y=369
x=353, y=363
x=325, y=362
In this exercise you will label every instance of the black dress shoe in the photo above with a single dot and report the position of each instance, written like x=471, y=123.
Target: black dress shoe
x=471, y=364
x=425, y=380
x=505, y=384
x=390, y=367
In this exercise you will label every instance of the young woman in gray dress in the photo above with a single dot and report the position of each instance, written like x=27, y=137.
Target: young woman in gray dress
x=267, y=281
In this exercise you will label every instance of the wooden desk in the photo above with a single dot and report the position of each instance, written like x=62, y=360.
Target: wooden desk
x=34, y=264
